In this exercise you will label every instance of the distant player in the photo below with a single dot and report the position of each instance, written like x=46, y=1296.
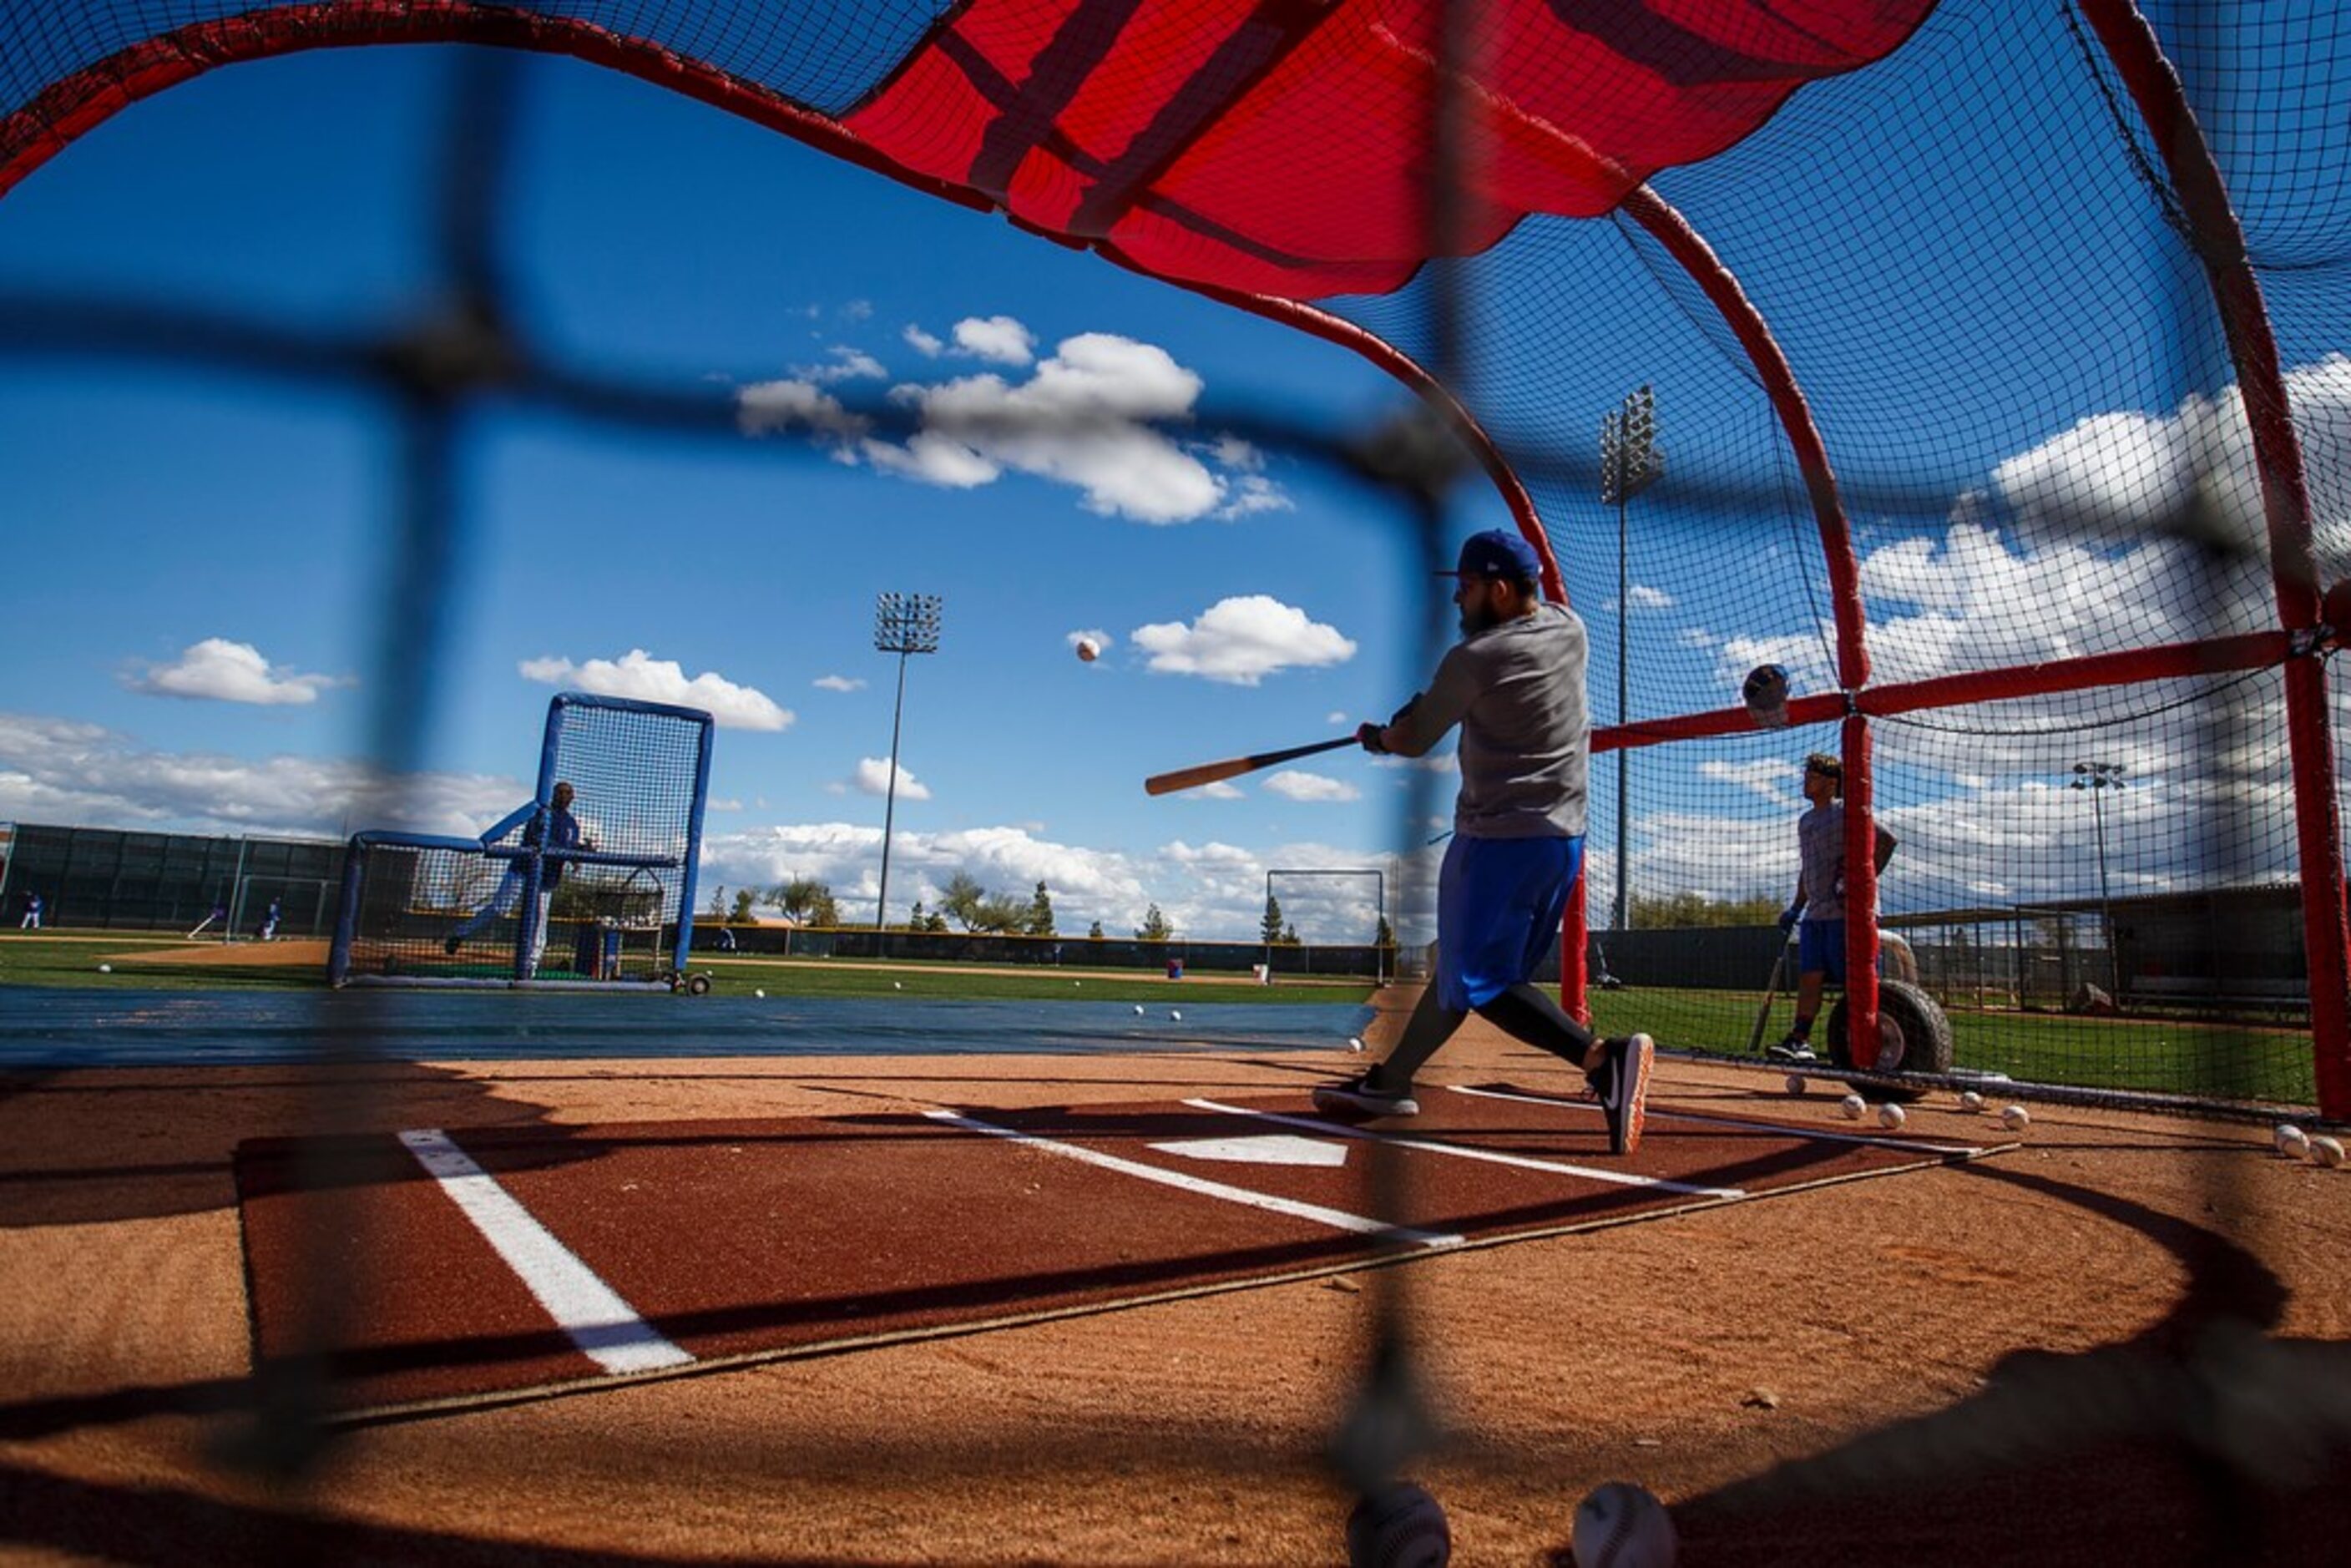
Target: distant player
x=32, y=921
x=219, y=917
x=556, y=829
x=1820, y=900
x=1515, y=684
x=267, y=930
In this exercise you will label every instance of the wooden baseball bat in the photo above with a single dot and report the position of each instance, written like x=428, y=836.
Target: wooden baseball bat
x=1231, y=766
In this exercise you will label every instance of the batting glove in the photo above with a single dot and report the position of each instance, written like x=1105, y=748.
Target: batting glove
x=1789, y=916
x=1367, y=735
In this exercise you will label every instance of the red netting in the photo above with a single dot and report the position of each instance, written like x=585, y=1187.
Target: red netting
x=1956, y=246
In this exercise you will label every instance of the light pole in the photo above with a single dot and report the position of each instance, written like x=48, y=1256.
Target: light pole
x=903, y=623
x=1630, y=462
x=2098, y=778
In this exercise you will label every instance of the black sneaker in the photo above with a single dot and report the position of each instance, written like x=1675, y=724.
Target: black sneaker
x=1795, y=1048
x=450, y=946
x=1356, y=1097
x=1623, y=1085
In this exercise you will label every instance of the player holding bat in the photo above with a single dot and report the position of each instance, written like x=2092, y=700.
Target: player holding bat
x=1515, y=685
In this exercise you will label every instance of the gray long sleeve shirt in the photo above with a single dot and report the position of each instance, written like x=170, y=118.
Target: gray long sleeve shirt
x=1517, y=692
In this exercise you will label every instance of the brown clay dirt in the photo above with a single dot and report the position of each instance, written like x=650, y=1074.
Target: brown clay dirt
x=2124, y=1342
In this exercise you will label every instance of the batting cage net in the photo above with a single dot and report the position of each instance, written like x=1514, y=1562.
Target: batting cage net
x=590, y=883
x=1939, y=414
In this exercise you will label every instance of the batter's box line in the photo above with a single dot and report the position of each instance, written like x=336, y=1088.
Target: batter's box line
x=1828, y=1135
x=1391, y=1257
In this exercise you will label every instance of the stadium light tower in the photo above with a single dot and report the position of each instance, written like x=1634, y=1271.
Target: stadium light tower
x=2098, y=778
x=903, y=623
x=1630, y=462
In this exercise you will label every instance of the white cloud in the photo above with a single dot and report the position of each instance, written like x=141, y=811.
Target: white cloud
x=727, y=804
x=2125, y=475
x=218, y=670
x=640, y=675
x=1210, y=853
x=58, y=770
x=848, y=364
x=839, y=684
x=999, y=340
x=1218, y=790
x=1085, y=419
x=1768, y=777
x=923, y=342
x=873, y=778
x=1644, y=596
x=1241, y=641
x=1334, y=717
x=766, y=408
x=1293, y=785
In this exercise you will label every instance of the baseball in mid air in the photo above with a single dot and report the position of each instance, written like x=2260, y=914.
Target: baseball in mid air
x=1089, y=650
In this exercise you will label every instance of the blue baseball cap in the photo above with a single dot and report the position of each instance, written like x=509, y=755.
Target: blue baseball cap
x=1497, y=552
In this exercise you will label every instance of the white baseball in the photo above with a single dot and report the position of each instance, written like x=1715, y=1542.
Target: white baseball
x=1970, y=1101
x=1853, y=1105
x=106, y=968
x=1354, y=1042
x=1089, y=650
x=898, y=986
x=1621, y=1525
x=1796, y=1083
x=2327, y=1152
x=2288, y=1138
x=2016, y=1118
x=1891, y=1116
x=1138, y=1009
x=1175, y=1014
x=758, y=993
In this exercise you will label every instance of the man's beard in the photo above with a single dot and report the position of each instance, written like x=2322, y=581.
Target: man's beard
x=1478, y=616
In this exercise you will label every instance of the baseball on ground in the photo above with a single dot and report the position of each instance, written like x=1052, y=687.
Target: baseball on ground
x=1853, y=1105
x=1891, y=1116
x=2016, y=1117
x=1621, y=1525
x=2327, y=1152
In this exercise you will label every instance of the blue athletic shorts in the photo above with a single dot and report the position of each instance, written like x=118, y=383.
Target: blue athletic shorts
x=1499, y=903
x=1820, y=948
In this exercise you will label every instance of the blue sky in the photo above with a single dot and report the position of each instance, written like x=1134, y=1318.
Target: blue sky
x=188, y=522
x=197, y=559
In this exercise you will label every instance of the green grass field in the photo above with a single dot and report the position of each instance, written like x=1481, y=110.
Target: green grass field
x=2170, y=1056
x=72, y=958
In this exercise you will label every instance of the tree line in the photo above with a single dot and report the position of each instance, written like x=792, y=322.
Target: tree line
x=974, y=909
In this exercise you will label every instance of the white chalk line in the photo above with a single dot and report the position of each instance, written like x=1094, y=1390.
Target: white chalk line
x=1337, y=1220
x=607, y=1330
x=1831, y=1134
x=1465, y=1152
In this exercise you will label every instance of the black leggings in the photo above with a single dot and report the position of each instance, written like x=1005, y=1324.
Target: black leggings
x=1524, y=1012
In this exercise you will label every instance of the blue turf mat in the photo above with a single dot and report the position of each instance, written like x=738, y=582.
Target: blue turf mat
x=46, y=1028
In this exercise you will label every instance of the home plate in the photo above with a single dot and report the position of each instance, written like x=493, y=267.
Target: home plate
x=1270, y=1149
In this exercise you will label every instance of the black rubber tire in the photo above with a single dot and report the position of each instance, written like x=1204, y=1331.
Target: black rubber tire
x=1912, y=1031
x=697, y=985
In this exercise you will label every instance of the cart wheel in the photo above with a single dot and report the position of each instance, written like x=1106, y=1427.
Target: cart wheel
x=697, y=985
x=1913, y=1034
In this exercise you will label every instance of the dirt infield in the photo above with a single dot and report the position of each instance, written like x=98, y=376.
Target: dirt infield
x=2123, y=1341
x=232, y=955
